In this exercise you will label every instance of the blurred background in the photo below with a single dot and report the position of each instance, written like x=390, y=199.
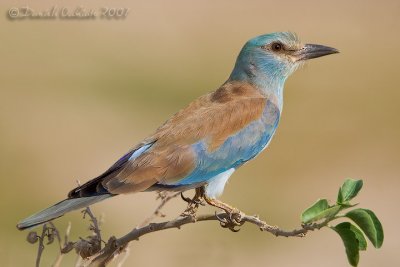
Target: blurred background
x=77, y=94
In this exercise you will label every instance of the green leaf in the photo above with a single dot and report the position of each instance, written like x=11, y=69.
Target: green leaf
x=349, y=190
x=318, y=211
x=309, y=214
x=362, y=242
x=350, y=243
x=370, y=225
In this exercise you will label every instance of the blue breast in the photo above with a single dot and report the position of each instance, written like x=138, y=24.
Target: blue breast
x=235, y=151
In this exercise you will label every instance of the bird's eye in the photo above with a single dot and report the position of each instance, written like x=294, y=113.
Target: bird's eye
x=276, y=47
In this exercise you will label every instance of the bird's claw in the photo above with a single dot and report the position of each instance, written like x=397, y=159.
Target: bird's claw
x=193, y=201
x=199, y=202
x=193, y=204
x=231, y=220
x=186, y=199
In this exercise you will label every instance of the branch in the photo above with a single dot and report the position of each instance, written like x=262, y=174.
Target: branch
x=319, y=215
x=90, y=249
x=114, y=245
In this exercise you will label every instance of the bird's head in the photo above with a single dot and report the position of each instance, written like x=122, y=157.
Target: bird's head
x=271, y=58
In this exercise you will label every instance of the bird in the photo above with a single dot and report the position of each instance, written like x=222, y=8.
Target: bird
x=203, y=144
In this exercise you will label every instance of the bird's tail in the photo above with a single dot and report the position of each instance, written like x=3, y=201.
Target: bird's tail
x=59, y=210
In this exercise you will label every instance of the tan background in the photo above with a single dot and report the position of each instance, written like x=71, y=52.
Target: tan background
x=76, y=95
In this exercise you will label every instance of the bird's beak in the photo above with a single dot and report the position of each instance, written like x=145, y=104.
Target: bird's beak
x=310, y=51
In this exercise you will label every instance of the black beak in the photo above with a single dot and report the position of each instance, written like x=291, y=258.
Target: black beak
x=310, y=51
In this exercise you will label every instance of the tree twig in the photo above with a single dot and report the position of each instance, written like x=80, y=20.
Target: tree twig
x=126, y=255
x=57, y=262
x=157, y=211
x=54, y=231
x=95, y=227
x=41, y=245
x=95, y=255
x=114, y=245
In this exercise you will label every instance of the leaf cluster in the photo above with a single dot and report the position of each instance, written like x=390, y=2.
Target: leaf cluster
x=362, y=222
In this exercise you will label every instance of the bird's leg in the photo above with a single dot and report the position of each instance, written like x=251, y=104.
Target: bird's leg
x=193, y=203
x=234, y=214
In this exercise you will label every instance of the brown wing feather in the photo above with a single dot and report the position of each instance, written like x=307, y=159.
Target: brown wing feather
x=213, y=118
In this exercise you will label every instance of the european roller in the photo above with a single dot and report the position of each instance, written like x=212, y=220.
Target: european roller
x=202, y=145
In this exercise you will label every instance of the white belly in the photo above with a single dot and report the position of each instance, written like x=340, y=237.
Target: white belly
x=216, y=185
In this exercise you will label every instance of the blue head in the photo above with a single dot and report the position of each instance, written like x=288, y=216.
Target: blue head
x=267, y=60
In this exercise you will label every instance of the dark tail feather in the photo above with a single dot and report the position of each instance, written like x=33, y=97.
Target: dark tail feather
x=59, y=210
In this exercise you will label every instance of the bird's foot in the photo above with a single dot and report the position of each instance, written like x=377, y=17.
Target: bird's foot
x=232, y=219
x=193, y=203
